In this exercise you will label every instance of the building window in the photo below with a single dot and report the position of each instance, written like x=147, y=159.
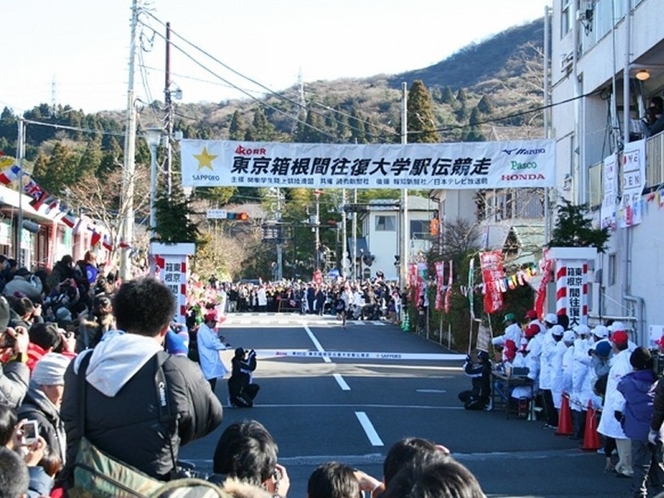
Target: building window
x=566, y=17
x=386, y=223
x=612, y=270
x=419, y=229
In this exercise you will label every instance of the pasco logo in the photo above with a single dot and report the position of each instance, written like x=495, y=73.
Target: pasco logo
x=247, y=151
x=517, y=151
x=517, y=166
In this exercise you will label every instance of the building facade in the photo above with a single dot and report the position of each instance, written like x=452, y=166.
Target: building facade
x=606, y=64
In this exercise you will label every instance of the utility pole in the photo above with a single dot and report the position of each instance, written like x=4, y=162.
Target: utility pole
x=405, y=232
x=127, y=232
x=317, y=230
x=280, y=238
x=354, y=229
x=168, y=113
x=344, y=234
x=20, y=154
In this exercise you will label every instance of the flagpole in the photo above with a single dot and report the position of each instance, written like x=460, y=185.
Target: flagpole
x=20, y=152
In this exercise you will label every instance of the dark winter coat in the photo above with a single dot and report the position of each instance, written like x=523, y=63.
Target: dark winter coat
x=37, y=406
x=122, y=410
x=638, y=389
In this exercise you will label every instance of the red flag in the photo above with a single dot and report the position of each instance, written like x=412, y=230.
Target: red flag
x=492, y=270
x=69, y=219
x=448, y=292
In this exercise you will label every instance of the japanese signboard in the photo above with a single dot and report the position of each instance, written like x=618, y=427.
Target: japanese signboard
x=633, y=181
x=476, y=165
x=610, y=200
x=572, y=290
x=493, y=273
x=171, y=269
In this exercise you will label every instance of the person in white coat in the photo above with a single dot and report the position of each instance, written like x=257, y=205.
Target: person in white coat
x=210, y=347
x=582, y=392
x=261, y=299
x=512, y=331
x=614, y=402
x=561, y=379
x=548, y=343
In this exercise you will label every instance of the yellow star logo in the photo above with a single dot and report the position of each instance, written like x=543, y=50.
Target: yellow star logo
x=205, y=159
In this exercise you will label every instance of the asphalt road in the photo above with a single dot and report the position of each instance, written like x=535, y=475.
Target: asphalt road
x=353, y=410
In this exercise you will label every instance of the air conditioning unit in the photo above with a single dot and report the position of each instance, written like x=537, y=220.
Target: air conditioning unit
x=566, y=61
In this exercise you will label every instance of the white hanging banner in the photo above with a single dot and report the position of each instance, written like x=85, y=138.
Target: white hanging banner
x=633, y=182
x=471, y=165
x=610, y=200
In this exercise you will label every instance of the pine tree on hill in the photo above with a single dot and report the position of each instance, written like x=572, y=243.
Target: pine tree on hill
x=485, y=105
x=447, y=96
x=236, y=128
x=421, y=121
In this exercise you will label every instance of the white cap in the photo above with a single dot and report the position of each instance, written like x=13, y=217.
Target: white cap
x=551, y=318
x=557, y=330
x=582, y=329
x=601, y=331
x=615, y=326
x=569, y=336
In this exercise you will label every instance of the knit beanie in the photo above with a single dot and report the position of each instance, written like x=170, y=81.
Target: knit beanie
x=50, y=370
x=603, y=349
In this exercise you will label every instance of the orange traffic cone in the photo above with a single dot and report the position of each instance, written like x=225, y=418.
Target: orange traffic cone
x=565, y=427
x=590, y=437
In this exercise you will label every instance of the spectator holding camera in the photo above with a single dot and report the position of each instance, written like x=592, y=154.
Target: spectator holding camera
x=14, y=375
x=241, y=388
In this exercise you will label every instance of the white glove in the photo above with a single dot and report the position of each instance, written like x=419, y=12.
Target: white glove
x=653, y=437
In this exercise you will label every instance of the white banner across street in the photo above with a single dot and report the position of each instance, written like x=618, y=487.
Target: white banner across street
x=454, y=166
x=299, y=353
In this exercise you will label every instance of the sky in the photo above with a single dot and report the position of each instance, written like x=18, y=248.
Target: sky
x=76, y=52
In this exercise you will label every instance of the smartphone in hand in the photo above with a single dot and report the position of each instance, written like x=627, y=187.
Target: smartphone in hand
x=30, y=432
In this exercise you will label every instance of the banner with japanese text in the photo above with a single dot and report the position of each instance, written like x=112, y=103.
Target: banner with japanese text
x=633, y=180
x=471, y=165
x=610, y=199
x=493, y=273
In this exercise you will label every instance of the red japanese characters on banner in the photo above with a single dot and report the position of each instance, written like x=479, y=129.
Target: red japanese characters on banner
x=493, y=273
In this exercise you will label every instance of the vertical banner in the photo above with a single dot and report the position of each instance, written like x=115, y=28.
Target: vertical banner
x=172, y=270
x=608, y=216
x=440, y=279
x=633, y=181
x=491, y=264
x=448, y=291
x=572, y=291
x=546, y=266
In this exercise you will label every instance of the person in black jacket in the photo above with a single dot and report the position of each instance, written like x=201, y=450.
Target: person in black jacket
x=478, y=367
x=122, y=409
x=241, y=389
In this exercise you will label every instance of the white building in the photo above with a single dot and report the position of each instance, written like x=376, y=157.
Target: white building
x=381, y=232
x=596, y=52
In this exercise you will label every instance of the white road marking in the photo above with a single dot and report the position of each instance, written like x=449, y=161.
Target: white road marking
x=430, y=391
x=368, y=427
x=318, y=345
x=341, y=382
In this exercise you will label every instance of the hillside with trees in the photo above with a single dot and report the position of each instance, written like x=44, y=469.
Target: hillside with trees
x=487, y=91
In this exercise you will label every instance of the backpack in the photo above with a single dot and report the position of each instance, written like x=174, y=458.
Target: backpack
x=99, y=475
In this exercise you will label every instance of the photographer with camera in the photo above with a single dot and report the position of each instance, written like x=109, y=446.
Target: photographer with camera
x=14, y=375
x=241, y=389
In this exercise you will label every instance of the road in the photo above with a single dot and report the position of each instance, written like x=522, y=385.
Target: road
x=353, y=409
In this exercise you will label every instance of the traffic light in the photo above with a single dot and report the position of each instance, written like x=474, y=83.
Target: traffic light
x=368, y=259
x=397, y=260
x=237, y=216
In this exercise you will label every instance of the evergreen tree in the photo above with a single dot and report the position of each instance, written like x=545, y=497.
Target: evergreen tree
x=485, y=105
x=261, y=129
x=447, y=96
x=461, y=95
x=574, y=228
x=357, y=129
x=343, y=129
x=421, y=122
x=474, y=133
x=61, y=170
x=236, y=128
x=91, y=159
x=174, y=222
